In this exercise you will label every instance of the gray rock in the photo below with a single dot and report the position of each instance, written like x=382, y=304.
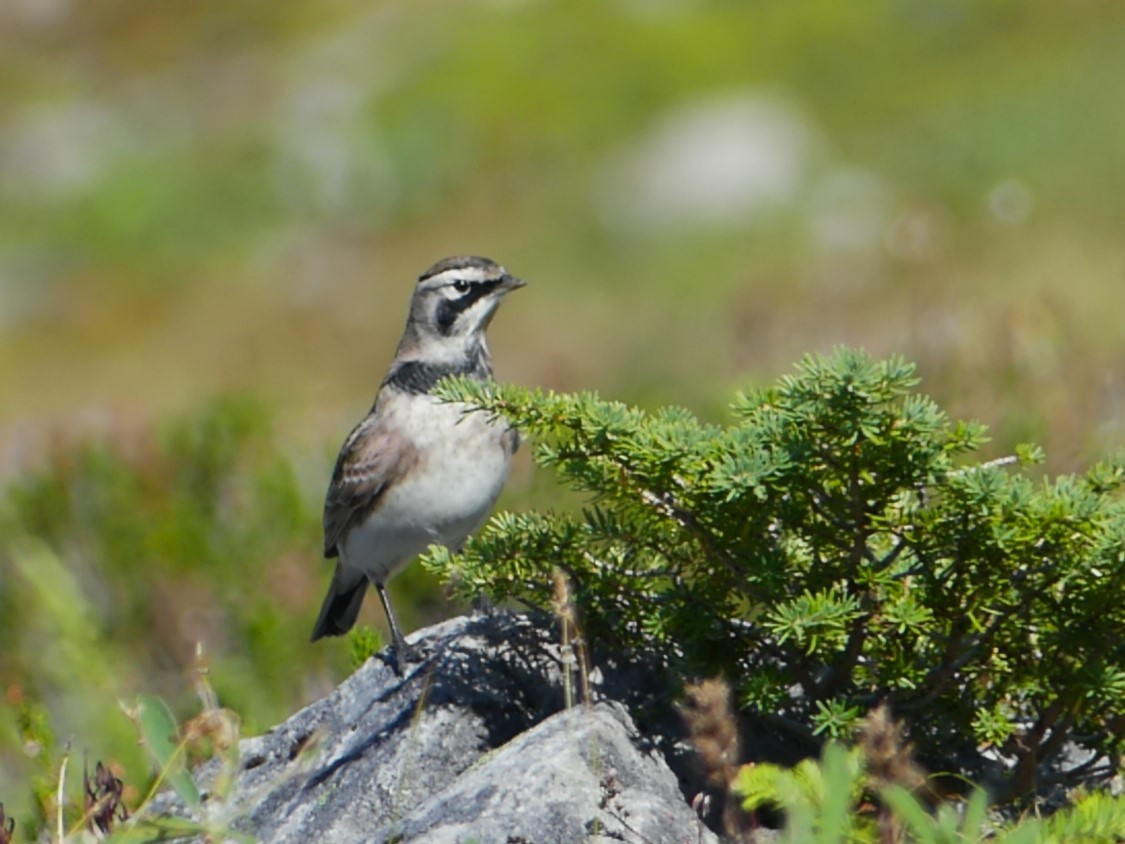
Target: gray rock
x=578, y=776
x=474, y=744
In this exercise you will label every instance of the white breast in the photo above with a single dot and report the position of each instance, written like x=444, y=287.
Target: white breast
x=463, y=463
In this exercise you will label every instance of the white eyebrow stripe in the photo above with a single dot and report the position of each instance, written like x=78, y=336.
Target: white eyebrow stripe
x=470, y=274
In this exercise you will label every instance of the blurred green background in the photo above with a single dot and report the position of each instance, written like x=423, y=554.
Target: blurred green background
x=212, y=214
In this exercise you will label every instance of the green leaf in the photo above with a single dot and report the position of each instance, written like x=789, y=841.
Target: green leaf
x=160, y=734
x=840, y=773
x=910, y=811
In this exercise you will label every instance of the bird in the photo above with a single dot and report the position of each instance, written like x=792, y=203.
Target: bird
x=418, y=470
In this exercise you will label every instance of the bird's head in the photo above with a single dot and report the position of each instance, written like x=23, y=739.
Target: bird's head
x=454, y=303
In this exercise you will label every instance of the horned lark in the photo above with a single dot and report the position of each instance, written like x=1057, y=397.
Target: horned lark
x=418, y=471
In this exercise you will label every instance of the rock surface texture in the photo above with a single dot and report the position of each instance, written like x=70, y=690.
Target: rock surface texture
x=474, y=744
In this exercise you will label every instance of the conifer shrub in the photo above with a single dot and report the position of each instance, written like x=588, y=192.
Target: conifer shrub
x=839, y=544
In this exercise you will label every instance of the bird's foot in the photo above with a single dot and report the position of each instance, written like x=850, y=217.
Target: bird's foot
x=402, y=655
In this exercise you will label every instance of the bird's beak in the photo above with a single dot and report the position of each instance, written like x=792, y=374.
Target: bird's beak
x=509, y=282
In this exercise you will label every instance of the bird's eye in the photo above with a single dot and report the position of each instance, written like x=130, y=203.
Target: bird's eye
x=461, y=286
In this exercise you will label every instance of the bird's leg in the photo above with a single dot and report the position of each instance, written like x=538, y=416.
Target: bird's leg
x=403, y=652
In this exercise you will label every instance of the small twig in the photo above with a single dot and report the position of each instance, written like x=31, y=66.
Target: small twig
x=1007, y=460
x=687, y=520
x=891, y=556
x=60, y=796
x=602, y=565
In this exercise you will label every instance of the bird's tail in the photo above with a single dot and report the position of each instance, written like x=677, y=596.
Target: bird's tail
x=341, y=605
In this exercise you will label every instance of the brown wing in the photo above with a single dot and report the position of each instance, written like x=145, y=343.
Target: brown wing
x=370, y=461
